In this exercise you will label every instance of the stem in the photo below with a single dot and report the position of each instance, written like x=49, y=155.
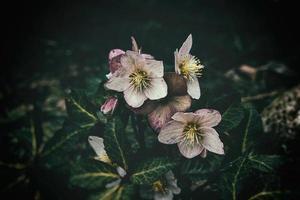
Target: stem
x=259, y=96
x=138, y=130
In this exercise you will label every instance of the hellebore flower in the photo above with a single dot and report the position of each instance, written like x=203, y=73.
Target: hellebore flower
x=193, y=133
x=139, y=78
x=109, y=105
x=165, y=188
x=114, y=57
x=189, y=67
x=99, y=148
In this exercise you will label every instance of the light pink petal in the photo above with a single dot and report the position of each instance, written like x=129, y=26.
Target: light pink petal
x=193, y=88
x=133, y=97
x=211, y=140
x=119, y=81
x=209, y=117
x=160, y=116
x=147, y=56
x=189, y=150
x=203, y=154
x=171, y=133
x=186, y=47
x=134, y=45
x=155, y=68
x=115, y=52
x=132, y=60
x=158, y=89
x=185, y=117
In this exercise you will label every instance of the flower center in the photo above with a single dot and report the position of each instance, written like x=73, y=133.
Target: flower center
x=190, y=67
x=139, y=79
x=192, y=133
x=159, y=186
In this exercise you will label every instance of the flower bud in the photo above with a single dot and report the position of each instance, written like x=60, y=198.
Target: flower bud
x=109, y=105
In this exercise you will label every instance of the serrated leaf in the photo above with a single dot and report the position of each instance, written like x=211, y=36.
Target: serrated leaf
x=94, y=175
x=119, y=192
x=265, y=163
x=114, y=142
x=151, y=170
x=232, y=117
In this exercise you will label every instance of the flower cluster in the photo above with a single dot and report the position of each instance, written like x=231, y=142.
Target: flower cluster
x=164, y=97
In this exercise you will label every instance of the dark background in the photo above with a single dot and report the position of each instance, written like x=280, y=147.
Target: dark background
x=68, y=41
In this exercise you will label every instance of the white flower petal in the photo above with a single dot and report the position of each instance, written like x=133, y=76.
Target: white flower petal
x=193, y=88
x=118, y=81
x=209, y=117
x=172, y=182
x=121, y=171
x=186, y=47
x=189, y=150
x=133, y=97
x=211, y=140
x=97, y=144
x=171, y=133
x=155, y=67
x=177, y=70
x=158, y=89
x=203, y=154
x=185, y=117
x=168, y=195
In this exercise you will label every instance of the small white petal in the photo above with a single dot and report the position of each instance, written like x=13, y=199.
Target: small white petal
x=189, y=150
x=193, y=88
x=203, y=154
x=211, y=140
x=108, y=76
x=172, y=182
x=158, y=89
x=133, y=97
x=209, y=117
x=186, y=47
x=155, y=67
x=171, y=133
x=121, y=171
x=97, y=144
x=168, y=195
x=113, y=184
x=119, y=81
x=177, y=70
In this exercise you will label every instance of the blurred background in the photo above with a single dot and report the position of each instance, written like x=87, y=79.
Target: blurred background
x=48, y=47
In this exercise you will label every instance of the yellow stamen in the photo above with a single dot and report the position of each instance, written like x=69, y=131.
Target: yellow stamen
x=158, y=186
x=139, y=79
x=192, y=133
x=104, y=158
x=190, y=67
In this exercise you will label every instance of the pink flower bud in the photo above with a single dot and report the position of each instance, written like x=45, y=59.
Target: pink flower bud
x=114, y=58
x=109, y=105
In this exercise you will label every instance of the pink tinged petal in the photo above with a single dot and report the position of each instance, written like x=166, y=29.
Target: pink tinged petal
x=115, y=63
x=209, y=117
x=177, y=70
x=186, y=47
x=158, y=89
x=132, y=60
x=119, y=81
x=133, y=97
x=203, y=154
x=185, y=117
x=115, y=52
x=147, y=56
x=193, y=88
x=155, y=67
x=109, y=105
x=211, y=140
x=189, y=150
x=171, y=133
x=160, y=116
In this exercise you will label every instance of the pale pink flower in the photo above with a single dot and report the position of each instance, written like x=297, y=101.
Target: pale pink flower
x=139, y=79
x=109, y=105
x=193, y=133
x=189, y=67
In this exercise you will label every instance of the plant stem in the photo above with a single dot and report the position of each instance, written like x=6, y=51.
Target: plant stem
x=138, y=129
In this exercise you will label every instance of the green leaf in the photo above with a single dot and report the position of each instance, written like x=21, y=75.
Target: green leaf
x=119, y=192
x=151, y=170
x=114, y=142
x=94, y=175
x=252, y=127
x=265, y=163
x=232, y=117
